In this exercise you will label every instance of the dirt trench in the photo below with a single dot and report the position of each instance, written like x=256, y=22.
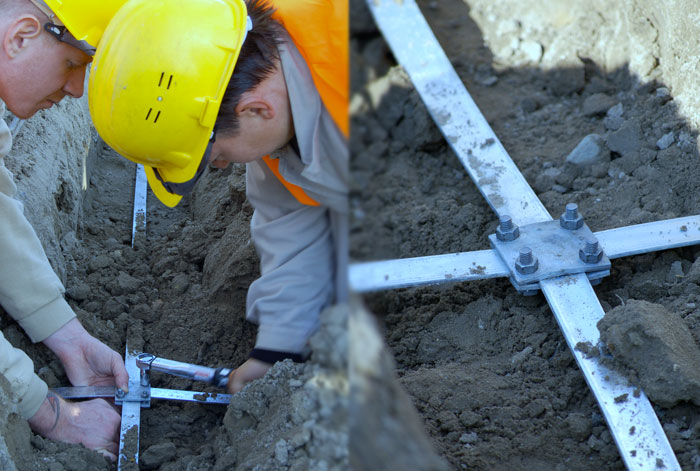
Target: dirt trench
x=487, y=369
x=180, y=293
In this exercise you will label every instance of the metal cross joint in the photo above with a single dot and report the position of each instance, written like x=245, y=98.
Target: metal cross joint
x=549, y=249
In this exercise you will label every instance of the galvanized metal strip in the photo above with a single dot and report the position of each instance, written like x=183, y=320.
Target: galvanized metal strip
x=140, y=192
x=631, y=418
x=464, y=127
x=650, y=237
x=401, y=273
x=131, y=417
x=84, y=392
x=190, y=396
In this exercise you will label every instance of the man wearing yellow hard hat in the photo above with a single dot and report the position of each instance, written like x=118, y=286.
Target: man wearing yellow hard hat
x=178, y=84
x=41, y=62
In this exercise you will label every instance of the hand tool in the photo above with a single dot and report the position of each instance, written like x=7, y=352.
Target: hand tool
x=139, y=366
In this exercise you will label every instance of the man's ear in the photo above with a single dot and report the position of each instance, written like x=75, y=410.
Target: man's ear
x=18, y=34
x=255, y=106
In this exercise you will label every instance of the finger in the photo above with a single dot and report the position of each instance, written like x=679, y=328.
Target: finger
x=121, y=377
x=107, y=454
x=234, y=383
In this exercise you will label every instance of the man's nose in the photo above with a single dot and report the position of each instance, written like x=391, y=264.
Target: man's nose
x=75, y=85
x=222, y=164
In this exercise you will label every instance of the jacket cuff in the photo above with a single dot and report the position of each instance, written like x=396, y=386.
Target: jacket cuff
x=273, y=356
x=36, y=394
x=47, y=320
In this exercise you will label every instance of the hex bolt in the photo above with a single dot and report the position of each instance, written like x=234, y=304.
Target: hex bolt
x=571, y=219
x=120, y=393
x=591, y=253
x=525, y=256
x=144, y=394
x=526, y=263
x=507, y=230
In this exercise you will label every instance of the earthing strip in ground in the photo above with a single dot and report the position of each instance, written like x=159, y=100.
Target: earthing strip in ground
x=131, y=418
x=140, y=192
x=507, y=192
x=482, y=264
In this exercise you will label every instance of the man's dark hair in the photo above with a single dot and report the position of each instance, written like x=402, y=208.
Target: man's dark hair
x=256, y=61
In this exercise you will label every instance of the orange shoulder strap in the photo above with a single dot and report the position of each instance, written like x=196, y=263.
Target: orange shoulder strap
x=320, y=30
x=297, y=191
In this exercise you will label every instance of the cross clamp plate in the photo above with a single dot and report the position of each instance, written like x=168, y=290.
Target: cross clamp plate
x=555, y=250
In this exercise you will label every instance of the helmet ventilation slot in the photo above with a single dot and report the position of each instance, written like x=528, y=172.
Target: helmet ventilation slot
x=148, y=115
x=170, y=80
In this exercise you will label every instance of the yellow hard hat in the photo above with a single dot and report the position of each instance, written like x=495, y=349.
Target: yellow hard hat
x=157, y=82
x=84, y=20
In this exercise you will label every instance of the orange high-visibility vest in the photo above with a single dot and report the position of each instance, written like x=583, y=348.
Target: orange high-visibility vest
x=319, y=29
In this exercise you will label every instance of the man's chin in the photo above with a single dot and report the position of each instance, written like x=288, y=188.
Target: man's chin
x=22, y=113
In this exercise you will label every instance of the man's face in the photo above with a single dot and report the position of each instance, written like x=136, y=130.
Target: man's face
x=265, y=124
x=43, y=71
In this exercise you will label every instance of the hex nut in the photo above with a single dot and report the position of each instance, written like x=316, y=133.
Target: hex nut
x=571, y=224
x=527, y=268
x=507, y=235
x=591, y=257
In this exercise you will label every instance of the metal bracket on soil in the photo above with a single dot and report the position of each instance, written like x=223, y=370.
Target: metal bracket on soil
x=549, y=249
x=550, y=255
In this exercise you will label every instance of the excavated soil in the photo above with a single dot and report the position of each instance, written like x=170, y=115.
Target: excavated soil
x=487, y=369
x=180, y=294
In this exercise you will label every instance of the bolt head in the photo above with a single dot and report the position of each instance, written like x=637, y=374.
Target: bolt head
x=508, y=235
x=120, y=393
x=571, y=224
x=591, y=257
x=527, y=268
x=144, y=394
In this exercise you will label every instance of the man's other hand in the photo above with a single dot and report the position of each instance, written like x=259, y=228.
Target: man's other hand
x=87, y=361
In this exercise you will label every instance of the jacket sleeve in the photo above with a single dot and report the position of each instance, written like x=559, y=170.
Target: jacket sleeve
x=297, y=263
x=30, y=291
x=27, y=388
x=15, y=365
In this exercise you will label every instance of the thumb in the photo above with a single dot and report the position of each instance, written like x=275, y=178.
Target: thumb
x=234, y=382
x=121, y=377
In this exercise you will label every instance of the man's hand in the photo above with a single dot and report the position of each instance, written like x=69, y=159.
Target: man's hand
x=94, y=423
x=249, y=371
x=87, y=361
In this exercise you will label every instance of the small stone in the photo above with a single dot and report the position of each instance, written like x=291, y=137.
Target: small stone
x=675, y=273
x=625, y=140
x=532, y=50
x=468, y=437
x=520, y=357
x=613, y=118
x=666, y=141
x=180, y=283
x=156, y=455
x=79, y=292
x=528, y=105
x=99, y=262
x=598, y=104
x=663, y=92
x=281, y=453
x=590, y=151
